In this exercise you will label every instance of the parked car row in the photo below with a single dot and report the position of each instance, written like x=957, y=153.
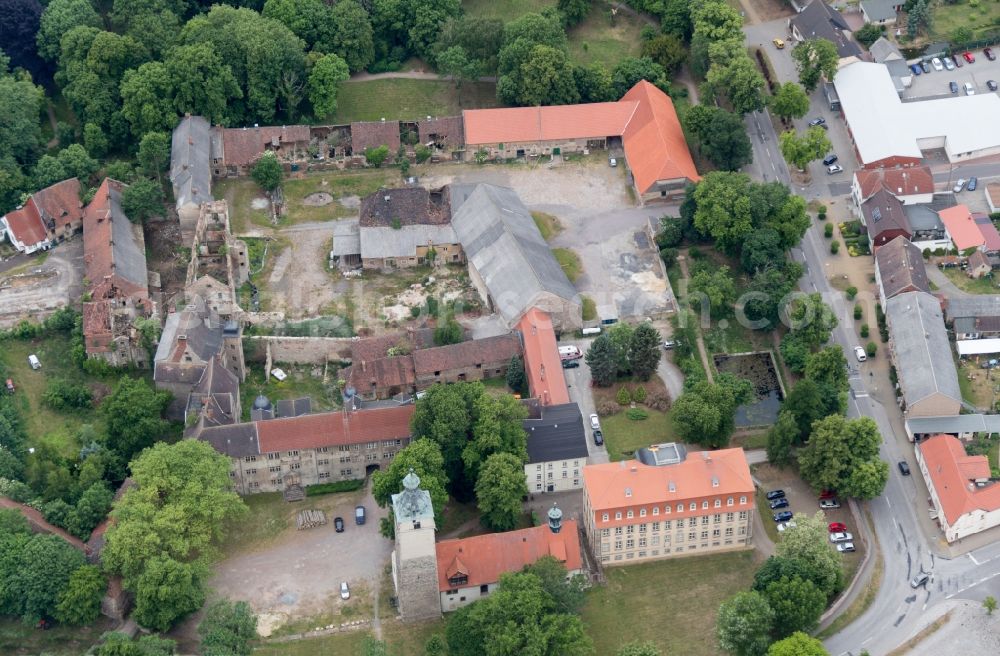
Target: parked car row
x=962, y=184
x=949, y=62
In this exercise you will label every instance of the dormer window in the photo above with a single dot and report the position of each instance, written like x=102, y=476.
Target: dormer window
x=458, y=579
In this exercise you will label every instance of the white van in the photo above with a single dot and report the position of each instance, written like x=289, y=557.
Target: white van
x=569, y=353
x=33, y=361
x=860, y=354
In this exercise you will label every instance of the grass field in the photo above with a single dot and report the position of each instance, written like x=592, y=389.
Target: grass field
x=338, y=184
x=946, y=18
x=596, y=39
x=673, y=603
x=967, y=284
x=589, y=312
x=240, y=193
x=623, y=435
x=570, y=263
x=410, y=99
x=547, y=224
x=56, y=429
x=20, y=639
x=300, y=382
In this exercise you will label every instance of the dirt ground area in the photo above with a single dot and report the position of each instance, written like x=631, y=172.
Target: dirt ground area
x=294, y=579
x=38, y=288
x=299, y=283
x=769, y=10
x=167, y=256
x=969, y=630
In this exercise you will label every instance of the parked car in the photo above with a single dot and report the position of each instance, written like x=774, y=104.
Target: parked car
x=782, y=516
x=973, y=183
x=837, y=527
x=345, y=591
x=841, y=537
x=916, y=69
x=784, y=526
x=669, y=344
x=829, y=159
x=779, y=503
x=991, y=85
x=958, y=61
x=953, y=86
x=34, y=361
x=989, y=54
x=959, y=186
x=338, y=524
x=775, y=494
x=359, y=515
x=949, y=63
x=826, y=504
x=612, y=162
x=569, y=353
x=860, y=354
x=969, y=89
x=969, y=57
x=819, y=120
x=925, y=67
x=846, y=547
x=827, y=494
x=598, y=438
x=920, y=579
x=778, y=43
x=570, y=364
x=279, y=374
x=834, y=168
x=904, y=468
x=936, y=63
x=595, y=423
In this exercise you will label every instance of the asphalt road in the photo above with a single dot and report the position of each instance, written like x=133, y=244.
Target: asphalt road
x=899, y=611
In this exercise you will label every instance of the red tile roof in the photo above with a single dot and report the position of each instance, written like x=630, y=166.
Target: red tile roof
x=372, y=134
x=989, y=232
x=334, y=429
x=499, y=349
x=962, y=227
x=242, y=146
x=898, y=181
x=99, y=247
x=542, y=364
x=952, y=473
x=26, y=224
x=654, y=141
x=701, y=475
x=483, y=558
x=645, y=118
x=61, y=202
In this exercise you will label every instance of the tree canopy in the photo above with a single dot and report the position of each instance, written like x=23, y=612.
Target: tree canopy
x=798, y=644
x=425, y=459
x=843, y=454
x=809, y=545
x=721, y=135
x=815, y=59
x=743, y=625
x=500, y=487
x=705, y=413
x=228, y=629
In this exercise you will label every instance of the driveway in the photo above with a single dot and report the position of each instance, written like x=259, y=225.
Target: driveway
x=578, y=382
x=298, y=575
x=40, y=289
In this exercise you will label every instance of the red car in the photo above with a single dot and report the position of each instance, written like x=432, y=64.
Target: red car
x=827, y=494
x=989, y=54
x=837, y=527
x=969, y=57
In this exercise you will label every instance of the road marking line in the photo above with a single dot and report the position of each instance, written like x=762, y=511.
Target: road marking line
x=973, y=558
x=867, y=640
x=887, y=502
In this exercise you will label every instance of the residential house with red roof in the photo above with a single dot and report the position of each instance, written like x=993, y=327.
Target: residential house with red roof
x=49, y=216
x=667, y=503
x=964, y=500
x=962, y=227
x=909, y=185
x=235, y=150
x=273, y=455
x=542, y=364
x=643, y=123
x=114, y=254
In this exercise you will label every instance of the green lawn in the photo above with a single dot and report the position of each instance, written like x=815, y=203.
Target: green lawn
x=547, y=224
x=240, y=193
x=589, y=312
x=570, y=263
x=946, y=18
x=597, y=39
x=360, y=183
x=269, y=514
x=44, y=425
x=507, y=10
x=672, y=603
x=622, y=436
x=401, y=639
x=409, y=99
x=967, y=284
x=300, y=382
x=20, y=639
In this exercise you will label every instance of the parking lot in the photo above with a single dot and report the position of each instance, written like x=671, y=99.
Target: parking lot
x=935, y=83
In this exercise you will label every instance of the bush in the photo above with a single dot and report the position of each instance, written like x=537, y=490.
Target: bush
x=623, y=397
x=669, y=256
x=828, y=230
x=835, y=247
x=332, y=488
x=64, y=395
x=871, y=349
x=639, y=394
x=821, y=216
x=423, y=153
x=636, y=414
x=606, y=408
x=658, y=401
x=857, y=311
x=851, y=292
x=864, y=331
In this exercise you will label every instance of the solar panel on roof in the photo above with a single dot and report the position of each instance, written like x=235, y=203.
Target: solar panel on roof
x=876, y=214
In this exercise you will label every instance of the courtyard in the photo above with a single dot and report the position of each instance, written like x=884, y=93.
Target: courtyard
x=41, y=284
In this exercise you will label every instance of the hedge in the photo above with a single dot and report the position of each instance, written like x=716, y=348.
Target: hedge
x=339, y=486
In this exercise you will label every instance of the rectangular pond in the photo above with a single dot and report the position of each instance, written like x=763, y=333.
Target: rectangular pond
x=761, y=370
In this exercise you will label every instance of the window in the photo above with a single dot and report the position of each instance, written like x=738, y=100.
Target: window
x=692, y=522
x=642, y=512
x=642, y=528
x=618, y=545
x=251, y=472
x=704, y=520
x=718, y=503
x=565, y=464
x=371, y=456
x=604, y=517
x=345, y=472
x=642, y=542
x=276, y=482
x=605, y=548
x=538, y=468
x=743, y=500
x=371, y=445
x=743, y=515
x=743, y=530
x=655, y=540
x=692, y=536
x=693, y=506
x=273, y=456
x=656, y=527
x=576, y=482
x=344, y=459
x=729, y=532
x=729, y=517
x=293, y=453
x=618, y=530
x=458, y=579
x=250, y=459
x=716, y=533
x=605, y=532
x=323, y=475
x=550, y=465
x=630, y=514
x=484, y=589
x=666, y=510
x=538, y=486
x=717, y=518
x=576, y=472
x=296, y=465
x=538, y=477
x=630, y=529
x=274, y=469
x=630, y=544
x=576, y=463
x=704, y=505
x=704, y=535
x=565, y=474
x=642, y=554
x=324, y=449
x=666, y=525
x=323, y=461
x=618, y=515
x=254, y=485
x=680, y=507
x=656, y=511
x=729, y=501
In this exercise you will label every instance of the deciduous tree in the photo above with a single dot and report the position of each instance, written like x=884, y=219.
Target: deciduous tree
x=780, y=439
x=349, y=35
x=424, y=458
x=800, y=151
x=499, y=491
x=815, y=58
x=547, y=78
x=133, y=413
x=722, y=137
x=142, y=200
x=324, y=84
x=809, y=544
x=147, y=96
x=498, y=428
x=202, y=83
x=34, y=572
x=789, y=101
x=723, y=209
x=446, y=416
x=573, y=11
x=267, y=172
x=797, y=604
x=705, y=413
x=59, y=17
x=798, y=644
x=80, y=601
x=168, y=590
x=631, y=70
x=568, y=593
x=639, y=649
x=228, y=629
x=744, y=623
x=714, y=284
x=739, y=81
x=666, y=50
x=154, y=153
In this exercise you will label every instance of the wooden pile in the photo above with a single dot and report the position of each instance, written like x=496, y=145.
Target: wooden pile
x=310, y=519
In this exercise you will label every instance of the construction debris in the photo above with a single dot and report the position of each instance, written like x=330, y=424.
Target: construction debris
x=310, y=519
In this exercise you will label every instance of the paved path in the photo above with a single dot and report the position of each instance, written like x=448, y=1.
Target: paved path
x=408, y=75
x=702, y=351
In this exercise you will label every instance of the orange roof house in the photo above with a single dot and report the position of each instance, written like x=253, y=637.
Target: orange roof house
x=644, y=120
x=965, y=500
x=962, y=227
x=334, y=429
x=542, y=365
x=49, y=214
